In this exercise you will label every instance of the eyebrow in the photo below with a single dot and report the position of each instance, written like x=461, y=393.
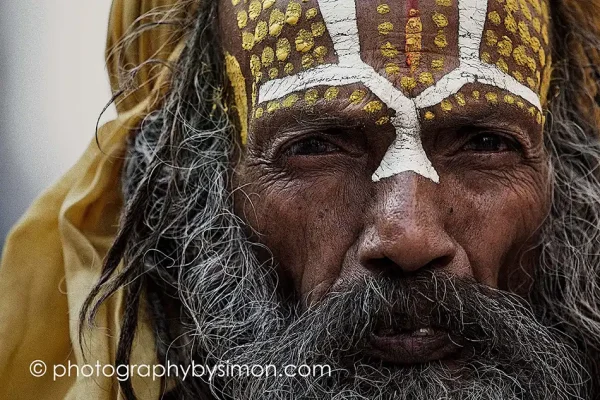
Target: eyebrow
x=303, y=121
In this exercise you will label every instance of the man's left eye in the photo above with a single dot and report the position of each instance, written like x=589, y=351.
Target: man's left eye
x=491, y=142
x=311, y=146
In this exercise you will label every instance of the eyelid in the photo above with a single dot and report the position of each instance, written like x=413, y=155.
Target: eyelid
x=521, y=138
x=288, y=137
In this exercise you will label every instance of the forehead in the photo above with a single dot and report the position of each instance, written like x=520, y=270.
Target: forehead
x=413, y=43
x=408, y=53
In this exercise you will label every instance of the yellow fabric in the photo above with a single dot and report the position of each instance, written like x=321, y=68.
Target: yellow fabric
x=54, y=254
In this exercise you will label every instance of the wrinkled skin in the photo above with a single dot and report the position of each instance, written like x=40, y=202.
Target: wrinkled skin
x=307, y=190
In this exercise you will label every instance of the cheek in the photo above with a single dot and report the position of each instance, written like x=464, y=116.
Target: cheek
x=308, y=226
x=495, y=225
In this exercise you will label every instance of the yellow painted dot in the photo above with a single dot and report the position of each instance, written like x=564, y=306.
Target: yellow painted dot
x=408, y=82
x=289, y=68
x=293, y=12
x=254, y=9
x=531, y=83
x=544, y=8
x=254, y=93
x=268, y=56
x=537, y=25
x=520, y=104
x=485, y=57
x=259, y=112
x=373, y=106
x=532, y=111
x=440, y=20
x=385, y=27
x=512, y=5
x=276, y=21
x=508, y=99
x=413, y=44
x=242, y=19
x=505, y=46
x=255, y=65
x=545, y=33
x=260, y=32
x=247, y=41
x=235, y=2
x=273, y=73
x=429, y=115
x=510, y=23
x=437, y=64
x=524, y=32
x=542, y=56
x=392, y=69
x=283, y=49
x=502, y=65
x=446, y=105
x=525, y=10
x=357, y=96
x=331, y=93
x=383, y=9
x=311, y=13
x=460, y=99
x=538, y=118
x=318, y=29
x=491, y=97
x=476, y=94
x=490, y=37
x=494, y=17
x=440, y=40
x=522, y=59
x=307, y=61
x=290, y=100
x=518, y=76
x=304, y=41
x=535, y=44
x=414, y=25
x=268, y=4
x=426, y=78
x=320, y=52
x=389, y=50
x=536, y=6
x=273, y=106
x=444, y=3
x=383, y=120
x=311, y=96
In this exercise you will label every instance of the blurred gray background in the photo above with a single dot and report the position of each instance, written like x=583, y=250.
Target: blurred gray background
x=53, y=86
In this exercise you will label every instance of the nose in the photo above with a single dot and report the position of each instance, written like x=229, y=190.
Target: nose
x=406, y=230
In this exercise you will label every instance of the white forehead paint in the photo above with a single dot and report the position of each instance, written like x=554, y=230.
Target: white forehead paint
x=406, y=153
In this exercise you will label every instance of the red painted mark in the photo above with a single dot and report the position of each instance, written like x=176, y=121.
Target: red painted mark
x=411, y=7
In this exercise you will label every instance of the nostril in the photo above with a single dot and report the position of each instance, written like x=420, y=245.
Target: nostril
x=380, y=266
x=440, y=262
x=385, y=266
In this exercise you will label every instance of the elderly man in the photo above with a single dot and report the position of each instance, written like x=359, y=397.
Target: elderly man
x=406, y=192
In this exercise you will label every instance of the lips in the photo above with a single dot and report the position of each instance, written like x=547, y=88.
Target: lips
x=421, y=345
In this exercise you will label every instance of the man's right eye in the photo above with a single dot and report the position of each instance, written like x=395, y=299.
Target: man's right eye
x=311, y=146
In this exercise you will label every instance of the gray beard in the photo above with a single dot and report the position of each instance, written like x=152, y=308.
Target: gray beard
x=238, y=318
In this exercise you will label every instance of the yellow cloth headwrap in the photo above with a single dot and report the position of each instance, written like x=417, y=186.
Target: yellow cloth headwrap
x=54, y=254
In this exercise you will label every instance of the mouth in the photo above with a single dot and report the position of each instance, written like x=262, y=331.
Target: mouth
x=407, y=347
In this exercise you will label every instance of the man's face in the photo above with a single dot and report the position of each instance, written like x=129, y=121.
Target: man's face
x=387, y=138
x=393, y=166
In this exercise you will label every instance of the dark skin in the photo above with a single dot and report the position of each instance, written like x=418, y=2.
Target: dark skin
x=308, y=195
